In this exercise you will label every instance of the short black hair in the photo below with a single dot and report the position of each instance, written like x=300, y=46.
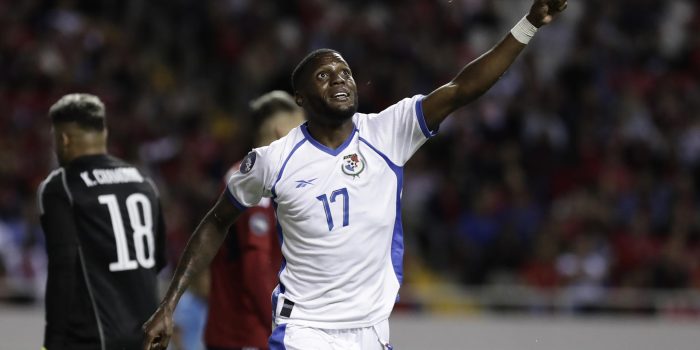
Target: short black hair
x=270, y=103
x=296, y=74
x=83, y=109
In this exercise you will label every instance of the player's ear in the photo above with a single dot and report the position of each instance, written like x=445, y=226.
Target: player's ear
x=298, y=99
x=65, y=139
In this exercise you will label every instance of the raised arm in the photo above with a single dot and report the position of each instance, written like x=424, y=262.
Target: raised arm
x=478, y=76
x=200, y=250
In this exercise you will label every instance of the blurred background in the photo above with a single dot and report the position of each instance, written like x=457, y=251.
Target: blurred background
x=571, y=189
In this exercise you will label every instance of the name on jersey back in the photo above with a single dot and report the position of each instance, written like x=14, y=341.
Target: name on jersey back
x=110, y=176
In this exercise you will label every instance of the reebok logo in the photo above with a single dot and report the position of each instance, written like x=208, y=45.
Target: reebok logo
x=304, y=183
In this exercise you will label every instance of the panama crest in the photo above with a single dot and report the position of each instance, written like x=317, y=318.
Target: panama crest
x=353, y=165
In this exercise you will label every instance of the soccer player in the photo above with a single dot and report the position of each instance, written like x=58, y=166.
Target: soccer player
x=104, y=236
x=244, y=272
x=335, y=183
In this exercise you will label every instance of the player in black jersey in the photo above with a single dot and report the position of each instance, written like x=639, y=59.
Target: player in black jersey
x=105, y=236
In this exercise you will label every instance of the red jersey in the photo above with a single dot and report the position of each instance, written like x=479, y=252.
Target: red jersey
x=243, y=275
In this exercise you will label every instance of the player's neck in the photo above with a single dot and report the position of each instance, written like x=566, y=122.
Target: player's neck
x=85, y=150
x=331, y=136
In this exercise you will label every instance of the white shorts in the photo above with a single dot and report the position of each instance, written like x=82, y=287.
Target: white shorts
x=296, y=337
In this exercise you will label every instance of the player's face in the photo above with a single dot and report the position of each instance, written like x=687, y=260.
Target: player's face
x=330, y=92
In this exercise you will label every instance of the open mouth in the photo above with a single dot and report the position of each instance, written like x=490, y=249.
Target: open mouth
x=341, y=96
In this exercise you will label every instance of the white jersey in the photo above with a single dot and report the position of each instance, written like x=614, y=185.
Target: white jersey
x=339, y=216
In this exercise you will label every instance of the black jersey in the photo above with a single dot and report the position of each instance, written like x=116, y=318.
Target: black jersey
x=105, y=241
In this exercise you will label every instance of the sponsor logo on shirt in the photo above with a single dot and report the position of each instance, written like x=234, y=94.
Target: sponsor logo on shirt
x=304, y=183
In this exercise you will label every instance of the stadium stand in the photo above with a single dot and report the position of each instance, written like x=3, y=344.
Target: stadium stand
x=577, y=176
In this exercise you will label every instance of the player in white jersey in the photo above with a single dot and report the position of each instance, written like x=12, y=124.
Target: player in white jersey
x=336, y=182
x=338, y=214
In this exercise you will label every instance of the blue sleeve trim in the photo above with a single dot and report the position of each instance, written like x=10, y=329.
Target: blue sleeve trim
x=421, y=120
x=234, y=201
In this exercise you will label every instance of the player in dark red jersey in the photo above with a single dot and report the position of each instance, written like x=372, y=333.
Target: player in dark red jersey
x=244, y=272
x=104, y=236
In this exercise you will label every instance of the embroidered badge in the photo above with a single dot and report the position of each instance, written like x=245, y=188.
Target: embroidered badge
x=247, y=163
x=353, y=165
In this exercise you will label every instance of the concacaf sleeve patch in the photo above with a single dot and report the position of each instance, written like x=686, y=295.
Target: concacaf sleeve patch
x=247, y=163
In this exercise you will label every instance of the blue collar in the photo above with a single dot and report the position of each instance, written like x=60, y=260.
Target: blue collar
x=334, y=152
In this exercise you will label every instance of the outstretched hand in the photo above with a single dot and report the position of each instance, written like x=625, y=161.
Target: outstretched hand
x=543, y=11
x=158, y=329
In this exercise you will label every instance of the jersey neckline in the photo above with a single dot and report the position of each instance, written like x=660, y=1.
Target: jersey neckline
x=88, y=158
x=332, y=151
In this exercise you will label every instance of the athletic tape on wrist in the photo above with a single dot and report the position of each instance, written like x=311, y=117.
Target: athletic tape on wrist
x=523, y=31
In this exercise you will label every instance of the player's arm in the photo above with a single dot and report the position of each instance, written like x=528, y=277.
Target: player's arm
x=200, y=250
x=62, y=249
x=479, y=75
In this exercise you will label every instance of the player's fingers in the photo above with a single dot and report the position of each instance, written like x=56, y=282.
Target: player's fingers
x=539, y=5
x=148, y=341
x=165, y=333
x=558, y=5
x=152, y=338
x=154, y=344
x=542, y=10
x=163, y=342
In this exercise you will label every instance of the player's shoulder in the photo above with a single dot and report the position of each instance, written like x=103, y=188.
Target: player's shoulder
x=117, y=162
x=407, y=104
x=400, y=107
x=288, y=141
x=54, y=181
x=282, y=147
x=260, y=167
x=130, y=171
x=53, y=176
x=54, y=185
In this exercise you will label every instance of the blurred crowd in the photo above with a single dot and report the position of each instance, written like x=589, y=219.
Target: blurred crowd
x=580, y=168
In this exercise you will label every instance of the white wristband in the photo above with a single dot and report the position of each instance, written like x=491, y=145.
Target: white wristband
x=524, y=31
